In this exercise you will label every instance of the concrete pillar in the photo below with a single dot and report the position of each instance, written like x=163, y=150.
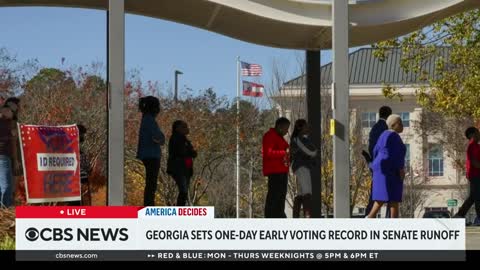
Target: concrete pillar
x=116, y=77
x=340, y=96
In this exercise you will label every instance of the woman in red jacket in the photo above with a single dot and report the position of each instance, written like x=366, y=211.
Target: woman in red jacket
x=275, y=167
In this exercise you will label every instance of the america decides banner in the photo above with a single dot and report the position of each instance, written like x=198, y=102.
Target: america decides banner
x=50, y=156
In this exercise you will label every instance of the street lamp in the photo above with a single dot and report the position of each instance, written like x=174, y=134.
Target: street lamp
x=177, y=72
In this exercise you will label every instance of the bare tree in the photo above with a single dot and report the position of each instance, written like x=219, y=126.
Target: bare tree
x=360, y=174
x=221, y=190
x=254, y=122
x=13, y=74
x=448, y=132
x=414, y=193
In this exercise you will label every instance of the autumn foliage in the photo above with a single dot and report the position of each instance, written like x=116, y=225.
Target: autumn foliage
x=61, y=96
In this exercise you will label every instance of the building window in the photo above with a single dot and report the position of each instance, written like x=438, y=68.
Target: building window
x=407, y=158
x=369, y=119
x=435, y=160
x=405, y=118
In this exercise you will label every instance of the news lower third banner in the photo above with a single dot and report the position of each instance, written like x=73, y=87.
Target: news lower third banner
x=192, y=233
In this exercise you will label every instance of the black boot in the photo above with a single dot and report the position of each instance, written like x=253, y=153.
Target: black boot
x=297, y=205
x=307, y=206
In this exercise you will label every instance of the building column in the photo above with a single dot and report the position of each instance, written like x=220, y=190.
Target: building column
x=116, y=76
x=314, y=119
x=340, y=96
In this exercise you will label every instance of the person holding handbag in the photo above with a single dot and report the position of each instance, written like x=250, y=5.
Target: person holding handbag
x=180, y=159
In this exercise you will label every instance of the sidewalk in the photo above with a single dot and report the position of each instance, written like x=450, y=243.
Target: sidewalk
x=473, y=238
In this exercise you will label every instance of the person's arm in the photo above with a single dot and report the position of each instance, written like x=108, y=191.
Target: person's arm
x=475, y=163
x=179, y=146
x=269, y=151
x=366, y=156
x=372, y=139
x=191, y=151
x=395, y=151
x=158, y=137
x=305, y=149
x=374, y=135
x=153, y=132
x=474, y=160
x=15, y=161
x=395, y=154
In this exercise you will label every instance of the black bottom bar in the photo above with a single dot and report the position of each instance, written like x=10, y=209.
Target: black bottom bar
x=239, y=255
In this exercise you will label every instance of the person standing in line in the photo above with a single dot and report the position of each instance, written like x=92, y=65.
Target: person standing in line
x=150, y=140
x=388, y=168
x=9, y=163
x=276, y=167
x=180, y=159
x=380, y=126
x=472, y=165
x=302, y=156
x=6, y=112
x=85, y=169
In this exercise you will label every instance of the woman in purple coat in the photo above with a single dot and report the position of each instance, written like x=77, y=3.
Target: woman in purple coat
x=388, y=168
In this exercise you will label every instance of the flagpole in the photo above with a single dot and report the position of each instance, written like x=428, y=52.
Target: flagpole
x=238, y=137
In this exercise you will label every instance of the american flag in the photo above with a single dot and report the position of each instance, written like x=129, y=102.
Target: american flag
x=251, y=69
x=252, y=89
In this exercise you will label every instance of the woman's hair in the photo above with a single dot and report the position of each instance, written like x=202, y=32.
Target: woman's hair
x=12, y=99
x=17, y=102
x=176, y=124
x=82, y=129
x=392, y=119
x=299, y=124
x=149, y=104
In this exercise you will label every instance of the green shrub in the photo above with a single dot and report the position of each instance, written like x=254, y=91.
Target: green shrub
x=7, y=243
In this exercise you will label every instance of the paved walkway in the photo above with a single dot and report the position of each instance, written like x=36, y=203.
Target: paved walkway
x=473, y=238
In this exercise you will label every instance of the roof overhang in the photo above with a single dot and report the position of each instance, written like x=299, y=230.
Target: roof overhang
x=295, y=24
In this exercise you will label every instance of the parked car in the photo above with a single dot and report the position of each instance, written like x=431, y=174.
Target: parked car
x=437, y=214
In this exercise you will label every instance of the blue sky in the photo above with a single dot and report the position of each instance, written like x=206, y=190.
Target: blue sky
x=155, y=47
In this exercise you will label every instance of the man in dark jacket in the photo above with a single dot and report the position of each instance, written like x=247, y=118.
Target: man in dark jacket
x=275, y=167
x=377, y=130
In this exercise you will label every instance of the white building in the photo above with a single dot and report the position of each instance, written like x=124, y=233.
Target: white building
x=367, y=77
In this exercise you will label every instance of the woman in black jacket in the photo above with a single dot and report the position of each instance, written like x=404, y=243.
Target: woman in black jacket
x=303, y=155
x=180, y=159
